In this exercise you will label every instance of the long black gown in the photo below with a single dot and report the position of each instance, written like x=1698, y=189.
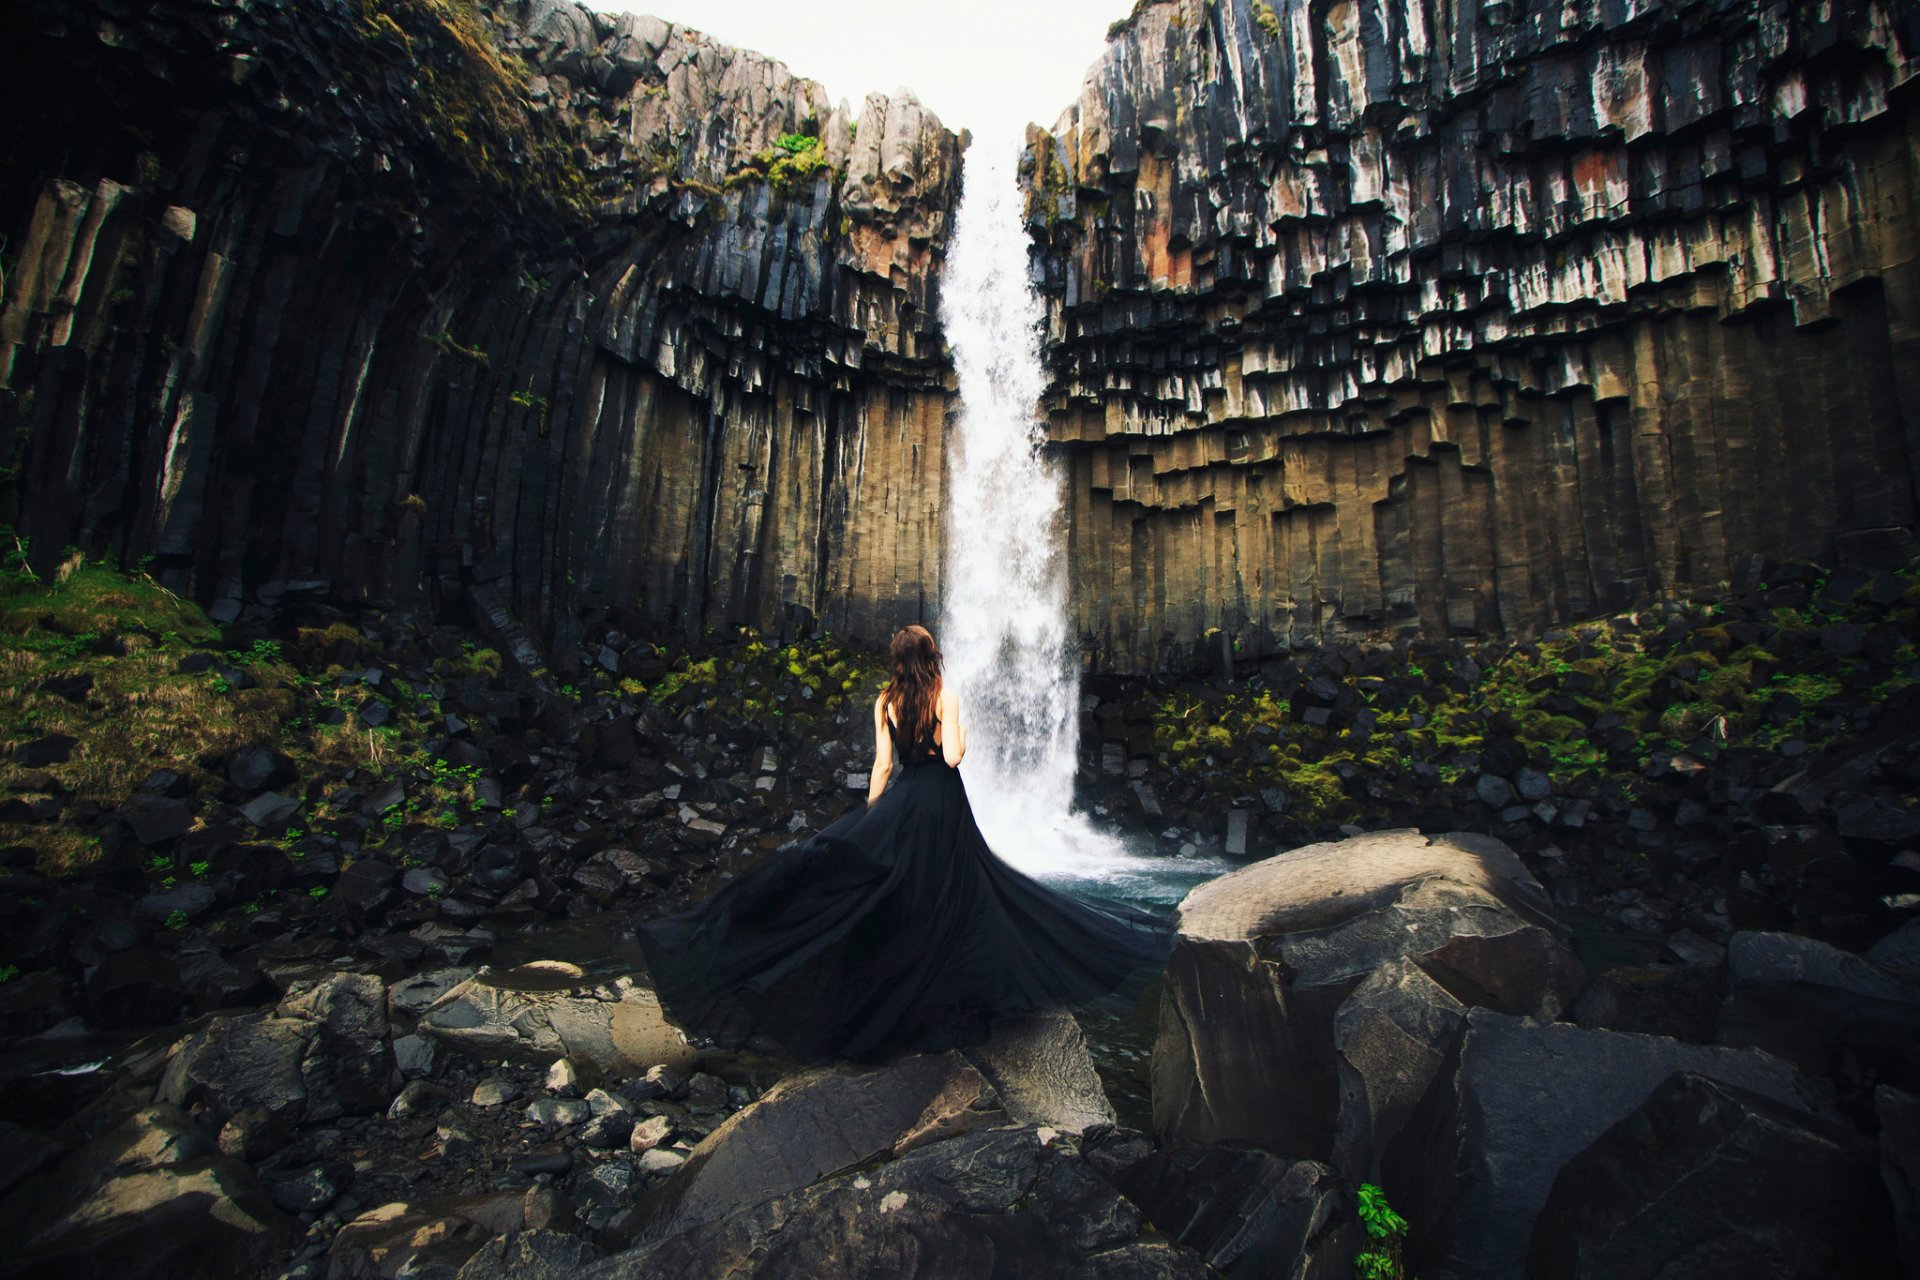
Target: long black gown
x=895, y=928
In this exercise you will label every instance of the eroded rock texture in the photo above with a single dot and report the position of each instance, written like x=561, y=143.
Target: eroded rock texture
x=1380, y=315
x=495, y=304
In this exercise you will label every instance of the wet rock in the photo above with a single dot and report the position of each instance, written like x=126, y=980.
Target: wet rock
x=190, y=900
x=811, y=1124
x=311, y=1189
x=1697, y=1178
x=959, y=1207
x=1682, y=1001
x=159, y=821
x=24, y=1152
x=1513, y=1103
x=1266, y=955
x=138, y=988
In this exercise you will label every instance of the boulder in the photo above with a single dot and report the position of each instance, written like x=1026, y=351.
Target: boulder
x=240, y=1062
x=533, y=1254
x=1828, y=1011
x=1249, y=1214
x=1390, y=1038
x=1899, y=1116
x=1266, y=955
x=1041, y=1070
x=1709, y=1182
x=424, y=1238
x=1516, y=1100
x=818, y=1123
x=617, y=1027
x=1017, y=1201
x=148, y=1199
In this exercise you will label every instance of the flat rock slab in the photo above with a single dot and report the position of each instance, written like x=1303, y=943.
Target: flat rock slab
x=998, y=1202
x=818, y=1123
x=1710, y=1182
x=1040, y=1067
x=425, y=1237
x=617, y=1026
x=1515, y=1102
x=1266, y=955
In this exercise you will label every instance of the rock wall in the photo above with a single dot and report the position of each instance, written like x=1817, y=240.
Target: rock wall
x=1375, y=316
x=502, y=306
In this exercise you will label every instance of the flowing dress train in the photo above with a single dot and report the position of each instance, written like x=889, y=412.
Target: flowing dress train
x=896, y=928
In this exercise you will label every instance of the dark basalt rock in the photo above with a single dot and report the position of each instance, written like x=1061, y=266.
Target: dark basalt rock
x=1267, y=955
x=1708, y=1181
x=1001, y=1201
x=1513, y=1103
x=1248, y=1213
x=1360, y=300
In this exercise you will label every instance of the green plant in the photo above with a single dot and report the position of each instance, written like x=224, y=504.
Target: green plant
x=252, y=908
x=1386, y=1230
x=9, y=972
x=318, y=892
x=198, y=868
x=219, y=684
x=176, y=920
x=159, y=862
x=167, y=882
x=1269, y=20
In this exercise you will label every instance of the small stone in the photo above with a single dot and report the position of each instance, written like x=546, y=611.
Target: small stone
x=416, y=1099
x=602, y=1103
x=670, y=1083
x=1494, y=791
x=558, y=1113
x=414, y=1056
x=1532, y=784
x=610, y=1132
x=494, y=1093
x=658, y=1161
x=650, y=1133
x=563, y=1079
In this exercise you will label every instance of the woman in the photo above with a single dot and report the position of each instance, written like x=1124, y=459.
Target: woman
x=896, y=928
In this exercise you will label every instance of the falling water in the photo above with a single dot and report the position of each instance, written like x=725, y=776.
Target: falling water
x=1005, y=632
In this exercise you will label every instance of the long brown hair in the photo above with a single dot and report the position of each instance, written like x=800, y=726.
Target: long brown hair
x=916, y=681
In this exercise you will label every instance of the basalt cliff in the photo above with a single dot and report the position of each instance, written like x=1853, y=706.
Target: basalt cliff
x=1366, y=319
x=1381, y=316
x=513, y=311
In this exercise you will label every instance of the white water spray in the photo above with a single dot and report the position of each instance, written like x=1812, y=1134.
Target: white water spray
x=1004, y=628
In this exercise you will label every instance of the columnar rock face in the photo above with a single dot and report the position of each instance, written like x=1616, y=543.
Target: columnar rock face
x=1381, y=315
x=493, y=304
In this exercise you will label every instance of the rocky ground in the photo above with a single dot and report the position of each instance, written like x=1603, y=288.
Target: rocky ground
x=254, y=876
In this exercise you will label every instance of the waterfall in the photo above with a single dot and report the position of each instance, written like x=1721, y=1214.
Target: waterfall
x=1006, y=640
x=1004, y=628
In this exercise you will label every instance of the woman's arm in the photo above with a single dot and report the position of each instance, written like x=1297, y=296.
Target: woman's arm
x=953, y=734
x=882, y=751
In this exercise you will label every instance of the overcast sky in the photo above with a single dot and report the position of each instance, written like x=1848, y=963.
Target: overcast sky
x=989, y=65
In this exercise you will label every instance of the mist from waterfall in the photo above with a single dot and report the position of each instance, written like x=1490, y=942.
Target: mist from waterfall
x=1004, y=627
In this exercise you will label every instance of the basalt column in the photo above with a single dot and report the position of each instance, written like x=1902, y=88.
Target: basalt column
x=1381, y=316
x=504, y=306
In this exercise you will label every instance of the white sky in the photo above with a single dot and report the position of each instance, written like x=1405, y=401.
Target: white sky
x=989, y=65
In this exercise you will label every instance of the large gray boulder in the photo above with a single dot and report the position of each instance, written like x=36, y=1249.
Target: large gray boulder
x=1007, y=1202
x=819, y=1123
x=1515, y=1101
x=1390, y=1038
x=547, y=1009
x=1247, y=1050
x=1705, y=1181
